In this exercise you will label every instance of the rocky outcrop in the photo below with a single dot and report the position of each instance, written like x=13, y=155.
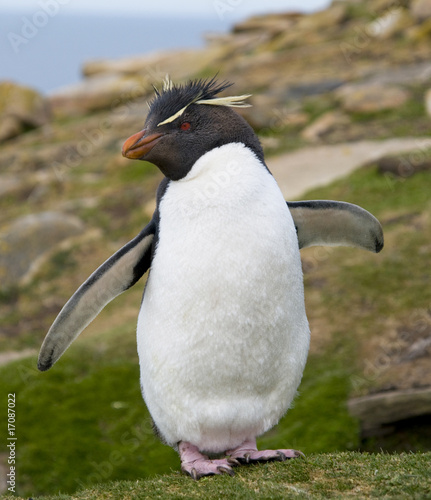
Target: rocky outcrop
x=109, y=84
x=26, y=242
x=21, y=108
x=360, y=98
x=378, y=413
x=104, y=91
x=325, y=123
x=405, y=165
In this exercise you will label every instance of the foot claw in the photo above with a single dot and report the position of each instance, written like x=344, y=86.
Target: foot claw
x=225, y=470
x=256, y=456
x=233, y=461
x=202, y=468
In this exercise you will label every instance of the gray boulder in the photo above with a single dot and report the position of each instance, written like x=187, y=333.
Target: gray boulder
x=26, y=243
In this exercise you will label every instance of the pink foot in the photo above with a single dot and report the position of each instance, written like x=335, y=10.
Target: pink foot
x=247, y=453
x=197, y=465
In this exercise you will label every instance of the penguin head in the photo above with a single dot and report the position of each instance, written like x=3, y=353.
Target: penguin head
x=187, y=121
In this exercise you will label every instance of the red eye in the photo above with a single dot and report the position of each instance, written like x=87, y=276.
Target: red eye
x=185, y=126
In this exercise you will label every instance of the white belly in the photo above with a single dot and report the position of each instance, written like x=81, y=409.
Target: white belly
x=222, y=333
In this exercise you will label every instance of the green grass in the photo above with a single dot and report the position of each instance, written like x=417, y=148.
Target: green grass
x=337, y=475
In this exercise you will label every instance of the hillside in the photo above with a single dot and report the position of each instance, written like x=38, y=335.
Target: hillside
x=342, y=97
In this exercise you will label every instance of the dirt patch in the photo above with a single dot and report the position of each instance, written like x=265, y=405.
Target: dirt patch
x=8, y=357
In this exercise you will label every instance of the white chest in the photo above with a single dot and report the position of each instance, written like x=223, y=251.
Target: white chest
x=223, y=316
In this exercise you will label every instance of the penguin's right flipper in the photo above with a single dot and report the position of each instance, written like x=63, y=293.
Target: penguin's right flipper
x=113, y=277
x=335, y=223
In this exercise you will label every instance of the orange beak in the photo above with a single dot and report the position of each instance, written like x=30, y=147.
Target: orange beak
x=138, y=145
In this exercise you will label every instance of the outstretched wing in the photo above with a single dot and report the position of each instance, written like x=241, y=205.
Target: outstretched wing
x=113, y=277
x=335, y=223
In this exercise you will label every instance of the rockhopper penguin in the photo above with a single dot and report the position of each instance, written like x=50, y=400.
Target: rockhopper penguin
x=222, y=332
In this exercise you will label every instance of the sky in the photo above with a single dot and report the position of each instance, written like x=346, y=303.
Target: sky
x=234, y=9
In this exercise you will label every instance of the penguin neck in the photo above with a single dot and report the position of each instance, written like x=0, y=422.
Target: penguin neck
x=223, y=163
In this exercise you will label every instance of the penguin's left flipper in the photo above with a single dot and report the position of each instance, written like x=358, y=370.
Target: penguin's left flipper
x=113, y=277
x=335, y=223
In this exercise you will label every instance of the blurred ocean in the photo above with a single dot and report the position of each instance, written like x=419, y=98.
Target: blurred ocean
x=47, y=52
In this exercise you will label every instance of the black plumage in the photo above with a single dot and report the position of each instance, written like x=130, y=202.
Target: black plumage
x=174, y=97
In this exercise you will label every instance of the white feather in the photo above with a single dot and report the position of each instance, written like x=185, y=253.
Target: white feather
x=174, y=116
x=222, y=332
x=234, y=101
x=168, y=84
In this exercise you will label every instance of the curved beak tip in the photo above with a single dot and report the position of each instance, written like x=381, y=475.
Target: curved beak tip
x=138, y=145
x=131, y=142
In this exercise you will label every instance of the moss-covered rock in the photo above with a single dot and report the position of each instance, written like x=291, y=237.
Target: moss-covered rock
x=21, y=108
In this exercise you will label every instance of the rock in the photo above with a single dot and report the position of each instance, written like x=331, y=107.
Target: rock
x=428, y=101
x=406, y=74
x=270, y=113
x=20, y=108
x=113, y=83
x=421, y=32
x=306, y=89
x=270, y=143
x=327, y=18
x=377, y=411
x=152, y=68
x=9, y=184
x=393, y=21
x=363, y=98
x=324, y=124
x=421, y=9
x=123, y=66
x=26, y=242
x=104, y=91
x=405, y=165
x=10, y=126
x=273, y=23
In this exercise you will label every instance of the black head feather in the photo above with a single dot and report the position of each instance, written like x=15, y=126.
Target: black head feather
x=175, y=97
